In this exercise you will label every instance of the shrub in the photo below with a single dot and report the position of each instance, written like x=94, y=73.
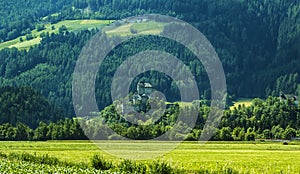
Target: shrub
x=190, y=137
x=129, y=166
x=158, y=167
x=40, y=27
x=3, y=155
x=98, y=162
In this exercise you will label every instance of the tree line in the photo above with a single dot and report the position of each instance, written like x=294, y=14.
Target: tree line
x=269, y=119
x=66, y=129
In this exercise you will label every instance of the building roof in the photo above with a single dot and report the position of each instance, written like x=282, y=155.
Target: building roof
x=145, y=85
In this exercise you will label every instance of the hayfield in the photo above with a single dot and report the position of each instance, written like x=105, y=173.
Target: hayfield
x=245, y=157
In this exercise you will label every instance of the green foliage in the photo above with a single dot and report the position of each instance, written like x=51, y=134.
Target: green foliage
x=160, y=167
x=213, y=157
x=27, y=163
x=39, y=68
x=243, y=49
x=13, y=166
x=40, y=27
x=238, y=134
x=29, y=37
x=26, y=106
x=64, y=129
x=269, y=124
x=286, y=84
x=225, y=134
x=250, y=135
x=62, y=29
x=17, y=16
x=128, y=166
x=98, y=162
x=289, y=133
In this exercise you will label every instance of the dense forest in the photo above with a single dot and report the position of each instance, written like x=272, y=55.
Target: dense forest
x=26, y=106
x=19, y=17
x=258, y=43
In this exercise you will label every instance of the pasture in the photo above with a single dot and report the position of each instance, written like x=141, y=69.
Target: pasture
x=72, y=25
x=245, y=157
x=144, y=28
x=130, y=29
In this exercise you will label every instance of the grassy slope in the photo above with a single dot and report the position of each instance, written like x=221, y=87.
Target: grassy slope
x=77, y=25
x=242, y=156
x=150, y=27
x=72, y=25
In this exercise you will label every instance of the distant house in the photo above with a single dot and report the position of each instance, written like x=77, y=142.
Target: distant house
x=144, y=89
x=138, y=102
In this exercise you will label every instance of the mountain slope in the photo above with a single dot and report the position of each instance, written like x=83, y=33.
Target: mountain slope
x=257, y=42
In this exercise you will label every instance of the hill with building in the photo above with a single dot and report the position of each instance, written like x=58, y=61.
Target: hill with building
x=257, y=42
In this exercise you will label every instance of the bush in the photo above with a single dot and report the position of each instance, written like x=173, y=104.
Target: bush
x=129, y=166
x=190, y=137
x=98, y=162
x=40, y=27
x=29, y=37
x=158, y=167
x=3, y=155
x=250, y=136
x=133, y=31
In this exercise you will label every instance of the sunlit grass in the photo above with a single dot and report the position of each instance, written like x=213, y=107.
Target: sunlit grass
x=253, y=157
x=72, y=25
x=143, y=28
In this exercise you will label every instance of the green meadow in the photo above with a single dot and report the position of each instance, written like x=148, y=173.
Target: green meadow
x=126, y=29
x=142, y=28
x=72, y=25
x=192, y=157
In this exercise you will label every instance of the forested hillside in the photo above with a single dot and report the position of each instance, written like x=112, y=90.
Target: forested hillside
x=19, y=16
x=47, y=68
x=24, y=105
x=257, y=41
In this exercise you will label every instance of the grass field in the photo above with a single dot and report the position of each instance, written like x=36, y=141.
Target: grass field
x=242, y=101
x=72, y=25
x=144, y=28
x=150, y=27
x=252, y=157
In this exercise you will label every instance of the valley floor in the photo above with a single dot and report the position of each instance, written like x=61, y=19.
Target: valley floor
x=252, y=157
